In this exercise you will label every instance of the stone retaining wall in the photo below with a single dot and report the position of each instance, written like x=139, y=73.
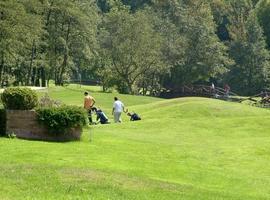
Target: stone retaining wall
x=24, y=124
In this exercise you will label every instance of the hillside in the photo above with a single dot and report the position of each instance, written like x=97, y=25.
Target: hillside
x=188, y=148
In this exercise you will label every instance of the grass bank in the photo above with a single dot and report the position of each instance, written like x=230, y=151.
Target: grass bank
x=188, y=148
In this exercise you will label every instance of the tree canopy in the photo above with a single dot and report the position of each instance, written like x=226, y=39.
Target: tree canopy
x=138, y=46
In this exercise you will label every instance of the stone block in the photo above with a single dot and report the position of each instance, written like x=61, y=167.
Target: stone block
x=24, y=124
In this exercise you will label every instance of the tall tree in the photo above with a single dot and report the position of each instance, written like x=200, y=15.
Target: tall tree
x=71, y=38
x=263, y=13
x=250, y=74
x=19, y=27
x=132, y=46
x=205, y=56
x=220, y=14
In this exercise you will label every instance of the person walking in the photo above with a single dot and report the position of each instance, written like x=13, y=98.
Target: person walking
x=89, y=102
x=213, y=89
x=227, y=90
x=118, y=108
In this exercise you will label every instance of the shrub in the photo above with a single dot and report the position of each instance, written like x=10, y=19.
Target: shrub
x=47, y=102
x=59, y=119
x=2, y=122
x=19, y=99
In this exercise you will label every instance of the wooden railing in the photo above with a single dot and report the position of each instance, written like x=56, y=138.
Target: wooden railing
x=199, y=90
x=260, y=100
x=204, y=90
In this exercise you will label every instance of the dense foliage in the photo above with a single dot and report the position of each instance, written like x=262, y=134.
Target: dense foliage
x=136, y=45
x=19, y=99
x=2, y=121
x=59, y=119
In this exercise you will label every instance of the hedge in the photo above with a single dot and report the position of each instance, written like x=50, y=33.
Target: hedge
x=59, y=119
x=19, y=99
x=2, y=122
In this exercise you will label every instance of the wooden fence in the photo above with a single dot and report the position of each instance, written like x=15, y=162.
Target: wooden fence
x=260, y=100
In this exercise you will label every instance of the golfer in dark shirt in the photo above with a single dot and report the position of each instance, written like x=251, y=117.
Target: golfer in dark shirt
x=101, y=117
x=134, y=116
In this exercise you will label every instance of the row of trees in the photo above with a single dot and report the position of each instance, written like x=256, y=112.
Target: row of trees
x=43, y=40
x=136, y=46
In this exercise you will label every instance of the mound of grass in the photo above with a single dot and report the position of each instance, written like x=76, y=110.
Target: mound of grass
x=189, y=148
x=74, y=95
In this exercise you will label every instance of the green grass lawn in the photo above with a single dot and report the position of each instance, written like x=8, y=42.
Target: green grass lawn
x=74, y=95
x=188, y=148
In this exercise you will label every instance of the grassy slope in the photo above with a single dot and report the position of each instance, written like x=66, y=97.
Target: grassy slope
x=74, y=95
x=190, y=148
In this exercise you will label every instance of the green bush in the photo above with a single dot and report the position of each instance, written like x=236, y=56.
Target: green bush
x=2, y=122
x=19, y=99
x=59, y=119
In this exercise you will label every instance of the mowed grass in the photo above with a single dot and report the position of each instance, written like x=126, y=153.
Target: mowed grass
x=74, y=95
x=187, y=148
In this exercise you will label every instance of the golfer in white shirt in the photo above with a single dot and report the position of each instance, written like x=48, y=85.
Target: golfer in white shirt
x=118, y=108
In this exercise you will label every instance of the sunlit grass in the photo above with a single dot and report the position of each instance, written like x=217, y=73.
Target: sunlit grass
x=188, y=148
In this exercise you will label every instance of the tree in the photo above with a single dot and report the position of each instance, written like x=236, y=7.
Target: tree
x=250, y=74
x=106, y=5
x=205, y=56
x=263, y=13
x=71, y=36
x=220, y=14
x=132, y=46
x=134, y=5
x=239, y=11
x=19, y=27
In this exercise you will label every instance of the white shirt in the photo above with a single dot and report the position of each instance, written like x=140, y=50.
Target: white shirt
x=118, y=106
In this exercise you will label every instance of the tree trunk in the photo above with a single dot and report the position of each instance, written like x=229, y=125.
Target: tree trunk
x=56, y=78
x=65, y=61
x=33, y=76
x=43, y=77
x=28, y=82
x=130, y=90
x=144, y=88
x=37, y=81
x=1, y=68
x=250, y=79
x=49, y=14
